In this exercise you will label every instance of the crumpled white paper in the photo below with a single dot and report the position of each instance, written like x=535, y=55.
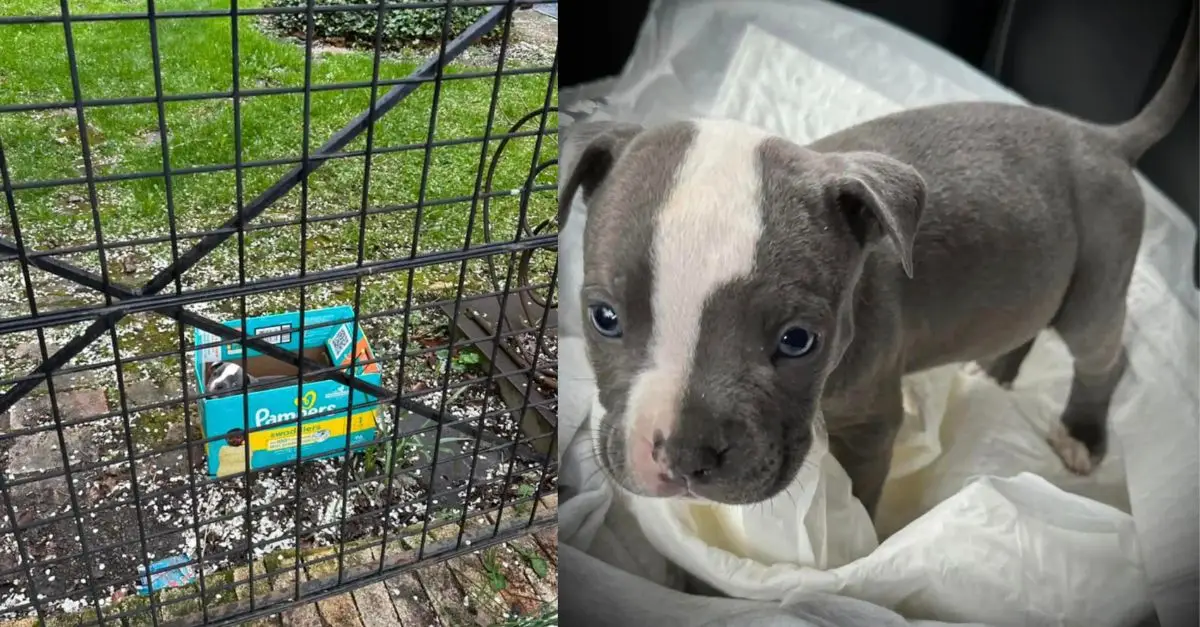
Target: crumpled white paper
x=981, y=521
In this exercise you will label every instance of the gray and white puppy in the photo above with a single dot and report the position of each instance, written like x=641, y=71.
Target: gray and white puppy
x=739, y=287
x=227, y=376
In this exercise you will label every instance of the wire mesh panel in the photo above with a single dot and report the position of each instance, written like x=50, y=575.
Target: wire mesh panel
x=277, y=309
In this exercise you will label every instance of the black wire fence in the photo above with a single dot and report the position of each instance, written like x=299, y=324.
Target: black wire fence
x=277, y=309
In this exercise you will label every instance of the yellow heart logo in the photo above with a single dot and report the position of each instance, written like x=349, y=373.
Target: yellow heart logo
x=310, y=399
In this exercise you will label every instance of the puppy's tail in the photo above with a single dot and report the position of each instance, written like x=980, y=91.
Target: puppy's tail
x=1158, y=118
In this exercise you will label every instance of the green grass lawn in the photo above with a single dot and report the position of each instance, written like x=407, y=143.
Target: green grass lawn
x=115, y=60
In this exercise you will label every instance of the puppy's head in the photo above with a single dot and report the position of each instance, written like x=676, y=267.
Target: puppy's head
x=225, y=376
x=719, y=269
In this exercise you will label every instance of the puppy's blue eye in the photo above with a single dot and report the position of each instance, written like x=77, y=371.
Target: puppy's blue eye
x=605, y=319
x=796, y=342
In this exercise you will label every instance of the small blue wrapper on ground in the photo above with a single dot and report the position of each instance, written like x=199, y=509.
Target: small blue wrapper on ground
x=170, y=572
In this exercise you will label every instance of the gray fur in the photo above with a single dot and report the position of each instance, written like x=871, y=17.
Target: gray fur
x=1008, y=219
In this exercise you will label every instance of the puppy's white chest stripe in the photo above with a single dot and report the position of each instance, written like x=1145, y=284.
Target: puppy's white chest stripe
x=705, y=236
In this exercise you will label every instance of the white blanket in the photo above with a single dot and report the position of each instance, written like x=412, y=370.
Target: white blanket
x=980, y=522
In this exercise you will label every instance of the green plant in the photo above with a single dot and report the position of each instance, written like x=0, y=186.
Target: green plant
x=448, y=514
x=400, y=26
x=384, y=455
x=463, y=359
x=496, y=578
x=536, y=562
x=389, y=453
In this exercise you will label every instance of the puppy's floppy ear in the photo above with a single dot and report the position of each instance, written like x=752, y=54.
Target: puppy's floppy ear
x=880, y=196
x=599, y=145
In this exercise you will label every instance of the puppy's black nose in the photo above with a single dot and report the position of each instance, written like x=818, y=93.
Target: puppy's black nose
x=699, y=463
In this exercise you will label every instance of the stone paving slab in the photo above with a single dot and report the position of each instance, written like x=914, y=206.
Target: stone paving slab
x=302, y=615
x=445, y=594
x=412, y=604
x=374, y=603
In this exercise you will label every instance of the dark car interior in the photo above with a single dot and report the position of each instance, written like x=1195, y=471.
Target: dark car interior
x=1101, y=61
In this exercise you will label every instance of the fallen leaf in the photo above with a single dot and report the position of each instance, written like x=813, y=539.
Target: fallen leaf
x=538, y=565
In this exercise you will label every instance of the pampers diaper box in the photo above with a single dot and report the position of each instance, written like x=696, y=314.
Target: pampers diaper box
x=327, y=335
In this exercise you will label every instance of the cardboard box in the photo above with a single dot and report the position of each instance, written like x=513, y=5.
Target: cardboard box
x=323, y=435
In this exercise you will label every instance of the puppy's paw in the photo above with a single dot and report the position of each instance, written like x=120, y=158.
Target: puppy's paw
x=1074, y=454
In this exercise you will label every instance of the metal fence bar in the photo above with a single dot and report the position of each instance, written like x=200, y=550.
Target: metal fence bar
x=191, y=297
x=182, y=315
x=306, y=162
x=259, y=163
x=255, y=342
x=240, y=222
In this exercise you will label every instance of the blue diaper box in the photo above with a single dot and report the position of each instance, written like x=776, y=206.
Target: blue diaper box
x=327, y=335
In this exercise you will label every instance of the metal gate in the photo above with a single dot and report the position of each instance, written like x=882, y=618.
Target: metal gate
x=277, y=309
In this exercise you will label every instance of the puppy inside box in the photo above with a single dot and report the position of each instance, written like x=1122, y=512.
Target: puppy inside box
x=316, y=413
x=228, y=378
